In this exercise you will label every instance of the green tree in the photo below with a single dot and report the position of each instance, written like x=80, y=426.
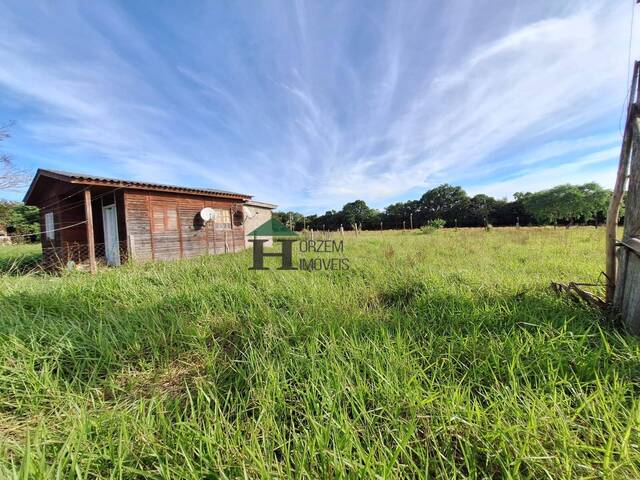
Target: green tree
x=566, y=203
x=5, y=211
x=543, y=206
x=397, y=213
x=445, y=201
x=358, y=212
x=479, y=210
x=20, y=219
x=595, y=201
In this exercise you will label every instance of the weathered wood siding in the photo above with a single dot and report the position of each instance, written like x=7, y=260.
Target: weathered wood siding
x=70, y=237
x=627, y=294
x=154, y=239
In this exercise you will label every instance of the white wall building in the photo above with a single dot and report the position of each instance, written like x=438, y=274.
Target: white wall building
x=261, y=212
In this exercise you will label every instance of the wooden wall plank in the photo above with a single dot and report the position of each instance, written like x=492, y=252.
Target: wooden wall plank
x=188, y=240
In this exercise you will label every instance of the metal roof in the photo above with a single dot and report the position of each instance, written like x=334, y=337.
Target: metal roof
x=86, y=179
x=255, y=203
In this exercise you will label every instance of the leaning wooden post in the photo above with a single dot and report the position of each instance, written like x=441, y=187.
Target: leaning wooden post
x=88, y=213
x=618, y=191
x=612, y=216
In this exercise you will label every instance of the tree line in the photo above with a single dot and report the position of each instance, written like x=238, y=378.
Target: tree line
x=17, y=218
x=560, y=205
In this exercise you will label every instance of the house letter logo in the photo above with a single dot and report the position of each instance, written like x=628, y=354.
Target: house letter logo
x=273, y=228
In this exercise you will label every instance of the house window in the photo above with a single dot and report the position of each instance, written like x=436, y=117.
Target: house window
x=164, y=218
x=49, y=226
x=223, y=219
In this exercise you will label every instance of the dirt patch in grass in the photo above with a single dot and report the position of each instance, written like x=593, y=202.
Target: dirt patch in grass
x=170, y=381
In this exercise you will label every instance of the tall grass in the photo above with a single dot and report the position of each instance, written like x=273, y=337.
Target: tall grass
x=20, y=259
x=442, y=356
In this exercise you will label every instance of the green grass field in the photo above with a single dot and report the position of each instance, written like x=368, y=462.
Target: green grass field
x=19, y=259
x=442, y=356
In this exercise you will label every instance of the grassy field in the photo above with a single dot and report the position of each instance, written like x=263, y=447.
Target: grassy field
x=443, y=356
x=19, y=259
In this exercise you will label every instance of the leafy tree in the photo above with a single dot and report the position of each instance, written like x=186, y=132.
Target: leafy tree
x=445, y=201
x=359, y=213
x=566, y=203
x=331, y=220
x=479, y=210
x=5, y=211
x=293, y=220
x=397, y=213
x=394, y=213
x=506, y=213
x=595, y=201
x=19, y=219
x=542, y=206
x=307, y=221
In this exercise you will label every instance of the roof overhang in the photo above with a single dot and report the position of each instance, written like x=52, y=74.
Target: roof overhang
x=254, y=203
x=88, y=180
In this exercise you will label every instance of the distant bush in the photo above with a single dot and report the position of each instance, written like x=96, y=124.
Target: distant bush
x=433, y=225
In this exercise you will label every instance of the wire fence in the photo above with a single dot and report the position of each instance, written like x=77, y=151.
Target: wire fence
x=74, y=255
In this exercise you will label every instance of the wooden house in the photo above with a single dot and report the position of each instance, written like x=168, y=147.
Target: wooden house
x=87, y=219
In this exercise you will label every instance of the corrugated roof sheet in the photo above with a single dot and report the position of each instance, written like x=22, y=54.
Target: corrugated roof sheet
x=256, y=203
x=80, y=178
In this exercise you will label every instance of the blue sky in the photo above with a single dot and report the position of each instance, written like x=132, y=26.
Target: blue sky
x=313, y=104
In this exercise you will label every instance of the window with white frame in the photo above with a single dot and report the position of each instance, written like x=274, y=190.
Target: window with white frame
x=49, y=226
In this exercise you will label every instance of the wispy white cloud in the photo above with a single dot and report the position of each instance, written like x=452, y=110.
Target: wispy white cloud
x=561, y=148
x=551, y=76
x=312, y=105
x=593, y=167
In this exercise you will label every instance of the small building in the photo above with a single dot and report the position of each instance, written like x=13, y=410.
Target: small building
x=256, y=214
x=87, y=219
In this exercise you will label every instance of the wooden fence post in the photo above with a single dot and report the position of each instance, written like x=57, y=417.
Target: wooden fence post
x=88, y=213
x=614, y=209
x=132, y=247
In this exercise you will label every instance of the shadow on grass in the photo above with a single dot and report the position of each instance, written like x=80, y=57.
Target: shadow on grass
x=91, y=336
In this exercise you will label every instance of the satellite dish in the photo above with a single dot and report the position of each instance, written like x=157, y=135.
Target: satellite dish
x=208, y=214
x=248, y=213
